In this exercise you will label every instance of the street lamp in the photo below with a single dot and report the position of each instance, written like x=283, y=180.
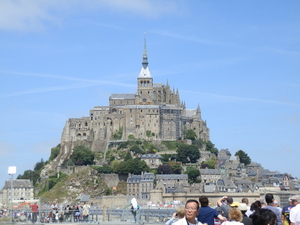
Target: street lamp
x=11, y=171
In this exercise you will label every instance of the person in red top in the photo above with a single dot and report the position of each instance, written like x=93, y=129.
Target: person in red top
x=34, y=210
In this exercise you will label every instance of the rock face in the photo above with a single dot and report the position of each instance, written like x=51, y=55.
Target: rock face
x=85, y=182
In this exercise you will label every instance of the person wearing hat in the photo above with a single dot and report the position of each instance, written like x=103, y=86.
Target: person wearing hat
x=285, y=215
x=295, y=212
x=246, y=220
x=225, y=203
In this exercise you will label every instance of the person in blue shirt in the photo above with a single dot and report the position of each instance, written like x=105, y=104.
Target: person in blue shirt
x=207, y=214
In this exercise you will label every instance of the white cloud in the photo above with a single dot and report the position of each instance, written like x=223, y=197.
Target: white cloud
x=22, y=15
x=83, y=84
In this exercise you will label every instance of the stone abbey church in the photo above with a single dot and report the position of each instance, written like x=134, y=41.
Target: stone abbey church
x=154, y=111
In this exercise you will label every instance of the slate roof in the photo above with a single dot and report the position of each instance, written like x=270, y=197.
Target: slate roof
x=146, y=177
x=85, y=198
x=179, y=189
x=151, y=156
x=18, y=183
x=122, y=96
x=209, y=172
x=209, y=188
x=190, y=112
x=171, y=176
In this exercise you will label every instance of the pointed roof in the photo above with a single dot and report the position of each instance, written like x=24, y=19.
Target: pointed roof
x=145, y=72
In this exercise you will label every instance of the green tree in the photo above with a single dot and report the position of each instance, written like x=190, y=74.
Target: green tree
x=136, y=150
x=68, y=162
x=83, y=156
x=148, y=133
x=164, y=169
x=176, y=167
x=39, y=165
x=103, y=169
x=54, y=152
x=135, y=166
x=188, y=153
x=190, y=134
x=244, y=158
x=118, y=135
x=210, y=164
x=193, y=173
x=199, y=143
x=211, y=148
x=128, y=156
x=108, y=191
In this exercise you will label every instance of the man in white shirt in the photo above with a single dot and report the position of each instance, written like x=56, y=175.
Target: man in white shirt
x=295, y=211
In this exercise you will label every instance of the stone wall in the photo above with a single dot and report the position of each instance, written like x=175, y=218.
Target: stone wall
x=111, y=180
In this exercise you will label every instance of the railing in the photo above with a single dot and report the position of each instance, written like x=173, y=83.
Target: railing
x=97, y=215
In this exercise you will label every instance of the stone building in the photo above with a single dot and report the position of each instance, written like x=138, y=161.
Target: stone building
x=140, y=186
x=169, y=182
x=154, y=108
x=209, y=175
x=22, y=192
x=152, y=160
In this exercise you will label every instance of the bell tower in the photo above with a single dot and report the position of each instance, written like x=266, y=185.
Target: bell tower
x=145, y=80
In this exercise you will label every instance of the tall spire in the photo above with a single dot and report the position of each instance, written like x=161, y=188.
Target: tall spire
x=145, y=55
x=145, y=72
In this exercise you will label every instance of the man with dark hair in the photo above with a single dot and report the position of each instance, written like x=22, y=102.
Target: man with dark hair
x=269, y=200
x=207, y=214
x=34, y=210
x=191, y=212
x=225, y=203
x=263, y=217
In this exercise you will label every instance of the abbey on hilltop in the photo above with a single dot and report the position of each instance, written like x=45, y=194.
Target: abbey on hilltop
x=153, y=111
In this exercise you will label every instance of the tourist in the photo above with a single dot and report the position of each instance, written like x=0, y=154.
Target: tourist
x=67, y=213
x=255, y=206
x=178, y=215
x=276, y=205
x=234, y=217
x=295, y=211
x=54, y=208
x=217, y=221
x=135, y=212
x=246, y=201
x=85, y=212
x=243, y=208
x=263, y=216
x=76, y=214
x=285, y=215
x=191, y=212
x=269, y=200
x=34, y=210
x=207, y=214
x=225, y=203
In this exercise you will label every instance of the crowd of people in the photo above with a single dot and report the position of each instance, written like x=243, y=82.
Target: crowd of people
x=69, y=213
x=261, y=212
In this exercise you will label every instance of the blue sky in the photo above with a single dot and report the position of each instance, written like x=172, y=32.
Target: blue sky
x=240, y=60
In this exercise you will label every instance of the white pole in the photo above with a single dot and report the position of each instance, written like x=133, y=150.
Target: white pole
x=11, y=197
